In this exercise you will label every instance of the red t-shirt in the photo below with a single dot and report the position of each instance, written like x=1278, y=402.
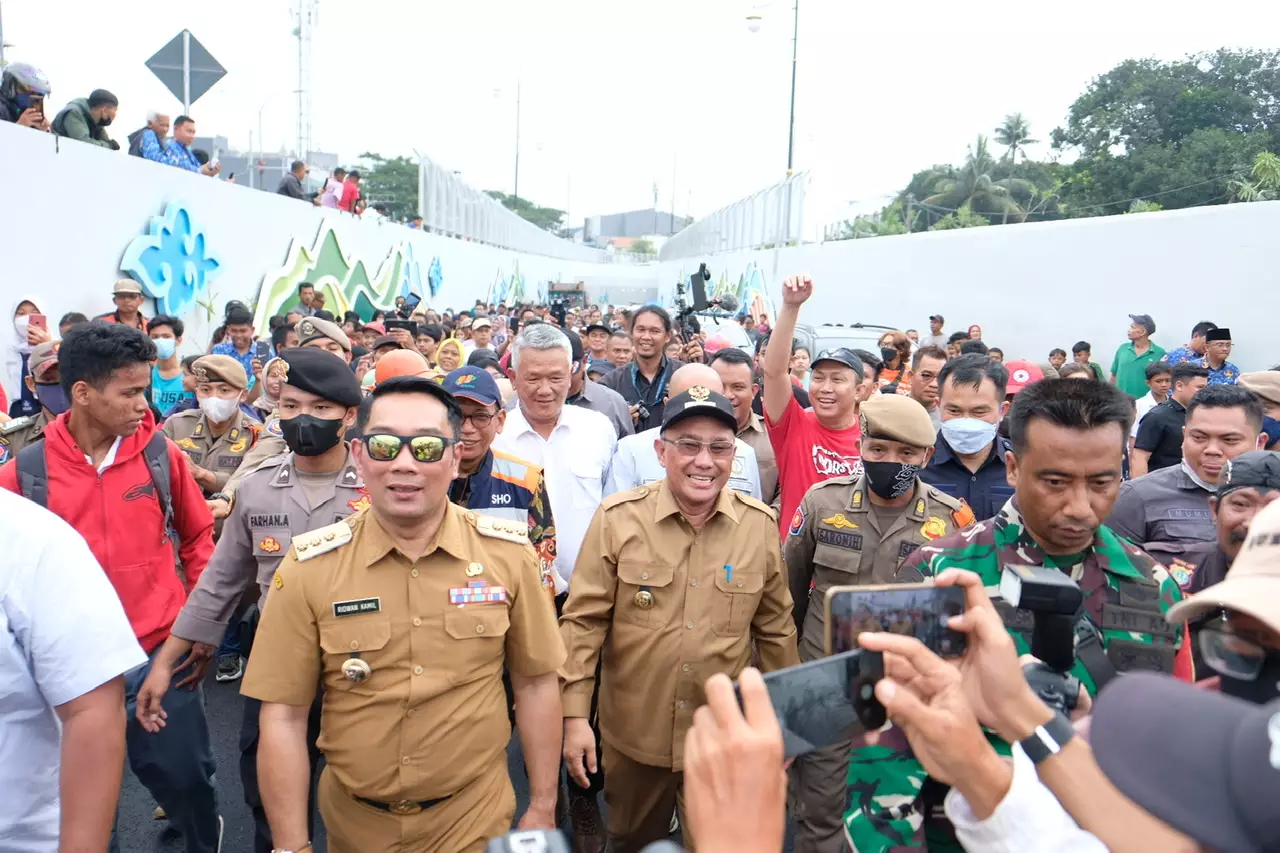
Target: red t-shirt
x=808, y=453
x=350, y=195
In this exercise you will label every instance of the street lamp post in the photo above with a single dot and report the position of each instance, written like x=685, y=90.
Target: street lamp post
x=753, y=24
x=516, y=190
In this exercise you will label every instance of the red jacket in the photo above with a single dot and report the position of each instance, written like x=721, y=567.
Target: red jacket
x=120, y=517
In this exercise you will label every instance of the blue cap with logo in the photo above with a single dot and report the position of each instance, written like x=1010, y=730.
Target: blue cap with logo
x=473, y=383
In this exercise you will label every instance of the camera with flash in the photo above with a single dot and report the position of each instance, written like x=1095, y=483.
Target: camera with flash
x=1054, y=600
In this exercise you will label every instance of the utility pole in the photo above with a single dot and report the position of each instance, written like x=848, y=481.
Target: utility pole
x=1, y=38
x=791, y=132
x=186, y=72
x=671, y=217
x=516, y=191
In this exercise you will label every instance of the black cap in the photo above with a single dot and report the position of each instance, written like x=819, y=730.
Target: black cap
x=699, y=402
x=1257, y=469
x=1135, y=734
x=594, y=326
x=937, y=317
x=321, y=373
x=840, y=355
x=1145, y=321
x=1218, y=334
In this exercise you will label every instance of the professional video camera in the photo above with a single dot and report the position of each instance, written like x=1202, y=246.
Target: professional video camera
x=701, y=305
x=553, y=841
x=1053, y=601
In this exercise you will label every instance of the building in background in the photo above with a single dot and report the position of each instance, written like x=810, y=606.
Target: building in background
x=622, y=229
x=263, y=170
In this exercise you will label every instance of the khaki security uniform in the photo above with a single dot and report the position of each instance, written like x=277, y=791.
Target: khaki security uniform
x=20, y=432
x=667, y=607
x=836, y=538
x=428, y=719
x=755, y=435
x=221, y=454
x=270, y=444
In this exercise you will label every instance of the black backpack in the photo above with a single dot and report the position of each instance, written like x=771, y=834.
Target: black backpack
x=33, y=478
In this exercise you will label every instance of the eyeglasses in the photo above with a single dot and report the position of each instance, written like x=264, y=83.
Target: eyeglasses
x=480, y=419
x=384, y=447
x=691, y=447
x=1231, y=654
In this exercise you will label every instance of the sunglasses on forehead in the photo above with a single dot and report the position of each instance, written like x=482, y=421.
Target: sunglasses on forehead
x=384, y=447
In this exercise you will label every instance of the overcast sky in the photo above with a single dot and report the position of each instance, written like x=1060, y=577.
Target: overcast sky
x=615, y=94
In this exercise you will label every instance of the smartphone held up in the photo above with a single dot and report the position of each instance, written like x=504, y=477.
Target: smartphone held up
x=913, y=610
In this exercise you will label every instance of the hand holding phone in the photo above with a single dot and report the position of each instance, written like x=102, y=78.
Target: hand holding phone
x=917, y=610
x=262, y=351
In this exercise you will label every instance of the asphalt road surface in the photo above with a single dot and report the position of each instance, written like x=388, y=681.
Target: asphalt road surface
x=139, y=833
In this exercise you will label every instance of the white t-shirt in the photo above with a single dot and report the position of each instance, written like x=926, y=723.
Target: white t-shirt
x=63, y=633
x=635, y=463
x=1144, y=404
x=575, y=464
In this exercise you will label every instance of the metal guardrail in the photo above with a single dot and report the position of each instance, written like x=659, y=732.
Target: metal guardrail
x=451, y=207
x=771, y=218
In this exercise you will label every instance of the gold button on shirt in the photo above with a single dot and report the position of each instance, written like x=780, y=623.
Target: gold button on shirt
x=656, y=599
x=431, y=716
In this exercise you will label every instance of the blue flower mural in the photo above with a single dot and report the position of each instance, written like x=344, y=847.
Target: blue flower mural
x=172, y=261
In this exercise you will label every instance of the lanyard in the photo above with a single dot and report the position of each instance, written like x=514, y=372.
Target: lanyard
x=659, y=382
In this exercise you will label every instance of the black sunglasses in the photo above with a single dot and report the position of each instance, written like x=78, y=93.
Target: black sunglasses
x=384, y=447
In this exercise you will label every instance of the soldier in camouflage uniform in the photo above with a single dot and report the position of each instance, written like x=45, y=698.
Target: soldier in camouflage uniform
x=1068, y=440
x=43, y=382
x=857, y=531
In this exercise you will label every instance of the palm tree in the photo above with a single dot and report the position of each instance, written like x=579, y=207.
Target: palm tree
x=973, y=187
x=1015, y=134
x=1265, y=183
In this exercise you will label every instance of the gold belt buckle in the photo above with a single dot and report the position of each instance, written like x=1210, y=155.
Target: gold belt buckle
x=404, y=807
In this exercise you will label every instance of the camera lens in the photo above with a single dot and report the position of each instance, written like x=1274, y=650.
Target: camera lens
x=866, y=692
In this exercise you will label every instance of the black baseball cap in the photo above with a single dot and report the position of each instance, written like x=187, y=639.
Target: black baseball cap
x=840, y=355
x=700, y=402
x=601, y=326
x=1257, y=469
x=937, y=317
x=1153, y=735
x=1145, y=321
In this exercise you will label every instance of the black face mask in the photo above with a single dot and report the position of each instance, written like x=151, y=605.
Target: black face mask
x=888, y=353
x=307, y=435
x=1260, y=690
x=104, y=122
x=890, y=480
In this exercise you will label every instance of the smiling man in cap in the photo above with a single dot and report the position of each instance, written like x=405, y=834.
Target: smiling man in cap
x=1128, y=368
x=859, y=529
x=127, y=295
x=676, y=581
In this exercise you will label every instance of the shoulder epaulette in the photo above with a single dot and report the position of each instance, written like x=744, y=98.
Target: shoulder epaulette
x=12, y=426
x=638, y=493
x=322, y=540
x=500, y=528
x=846, y=480
x=755, y=503
x=950, y=502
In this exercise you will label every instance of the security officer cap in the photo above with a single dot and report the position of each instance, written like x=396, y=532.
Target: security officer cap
x=313, y=328
x=44, y=357
x=1257, y=469
x=220, y=368
x=321, y=373
x=1264, y=383
x=897, y=418
x=700, y=402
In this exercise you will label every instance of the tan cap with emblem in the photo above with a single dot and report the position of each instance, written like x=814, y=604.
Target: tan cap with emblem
x=897, y=418
x=220, y=368
x=313, y=328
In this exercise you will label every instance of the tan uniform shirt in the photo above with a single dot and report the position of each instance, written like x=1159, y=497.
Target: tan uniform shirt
x=221, y=454
x=20, y=432
x=836, y=539
x=432, y=716
x=754, y=434
x=668, y=607
x=270, y=444
x=268, y=511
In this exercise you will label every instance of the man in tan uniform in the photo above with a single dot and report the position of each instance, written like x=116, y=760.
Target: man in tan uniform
x=320, y=334
x=854, y=531
x=737, y=372
x=313, y=484
x=42, y=381
x=675, y=582
x=405, y=614
x=218, y=434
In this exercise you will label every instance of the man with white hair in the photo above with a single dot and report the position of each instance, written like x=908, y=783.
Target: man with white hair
x=574, y=447
x=149, y=142
x=636, y=461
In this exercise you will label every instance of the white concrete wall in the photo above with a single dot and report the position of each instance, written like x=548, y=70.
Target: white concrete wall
x=75, y=218
x=1034, y=287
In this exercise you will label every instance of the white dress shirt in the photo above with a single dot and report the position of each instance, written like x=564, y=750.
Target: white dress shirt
x=635, y=463
x=575, y=463
x=1028, y=820
x=63, y=633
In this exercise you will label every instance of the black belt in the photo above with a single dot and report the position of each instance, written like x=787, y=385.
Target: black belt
x=403, y=807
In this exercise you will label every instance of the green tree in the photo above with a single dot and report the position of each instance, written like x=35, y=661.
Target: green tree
x=642, y=246
x=1141, y=206
x=962, y=218
x=1263, y=183
x=390, y=184
x=1014, y=133
x=547, y=218
x=973, y=186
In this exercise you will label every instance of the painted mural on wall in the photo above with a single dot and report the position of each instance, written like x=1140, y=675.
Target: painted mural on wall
x=514, y=288
x=751, y=291
x=345, y=280
x=172, y=261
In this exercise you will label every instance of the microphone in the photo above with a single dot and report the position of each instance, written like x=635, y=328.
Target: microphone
x=727, y=303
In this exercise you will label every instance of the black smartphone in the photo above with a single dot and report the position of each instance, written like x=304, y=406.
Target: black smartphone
x=407, y=325
x=916, y=610
x=824, y=701
x=262, y=351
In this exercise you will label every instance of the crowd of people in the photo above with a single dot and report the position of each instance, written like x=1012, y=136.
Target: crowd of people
x=580, y=523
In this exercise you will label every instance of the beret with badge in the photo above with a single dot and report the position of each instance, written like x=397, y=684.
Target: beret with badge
x=321, y=373
x=313, y=328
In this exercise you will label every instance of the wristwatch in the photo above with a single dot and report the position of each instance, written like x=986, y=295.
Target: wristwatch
x=1048, y=739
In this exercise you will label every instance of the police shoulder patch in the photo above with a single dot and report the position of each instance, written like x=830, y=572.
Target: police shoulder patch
x=797, y=521
x=500, y=528
x=313, y=543
x=273, y=426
